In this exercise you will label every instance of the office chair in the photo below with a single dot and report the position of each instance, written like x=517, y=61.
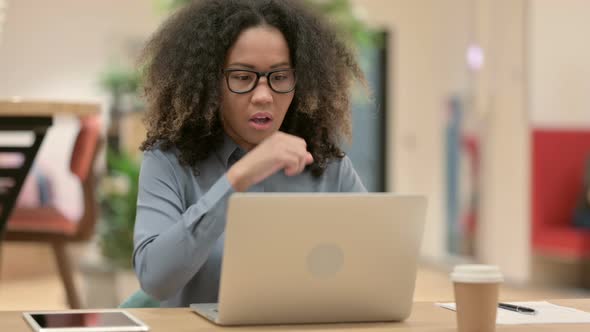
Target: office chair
x=49, y=225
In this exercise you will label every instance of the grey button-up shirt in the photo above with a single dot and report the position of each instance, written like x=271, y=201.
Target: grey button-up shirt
x=178, y=240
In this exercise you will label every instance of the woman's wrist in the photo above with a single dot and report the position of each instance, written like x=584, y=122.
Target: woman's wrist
x=236, y=179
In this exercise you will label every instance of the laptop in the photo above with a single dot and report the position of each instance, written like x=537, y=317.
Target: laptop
x=318, y=258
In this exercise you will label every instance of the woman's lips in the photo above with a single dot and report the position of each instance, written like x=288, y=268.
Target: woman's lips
x=261, y=121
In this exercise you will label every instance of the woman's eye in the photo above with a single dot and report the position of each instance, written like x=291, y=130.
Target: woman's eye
x=241, y=77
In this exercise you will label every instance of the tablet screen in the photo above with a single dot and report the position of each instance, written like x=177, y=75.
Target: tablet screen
x=87, y=319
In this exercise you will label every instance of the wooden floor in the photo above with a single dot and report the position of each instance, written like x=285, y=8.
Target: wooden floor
x=29, y=282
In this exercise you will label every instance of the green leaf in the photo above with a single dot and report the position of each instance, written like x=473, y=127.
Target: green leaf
x=118, y=79
x=118, y=210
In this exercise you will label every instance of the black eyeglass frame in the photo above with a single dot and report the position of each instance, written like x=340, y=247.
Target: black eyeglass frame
x=259, y=74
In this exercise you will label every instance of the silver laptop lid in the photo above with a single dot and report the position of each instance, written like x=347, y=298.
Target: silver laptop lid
x=312, y=258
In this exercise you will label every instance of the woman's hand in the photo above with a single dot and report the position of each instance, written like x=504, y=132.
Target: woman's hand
x=280, y=151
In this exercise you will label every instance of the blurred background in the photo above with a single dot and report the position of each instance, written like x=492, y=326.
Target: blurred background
x=480, y=104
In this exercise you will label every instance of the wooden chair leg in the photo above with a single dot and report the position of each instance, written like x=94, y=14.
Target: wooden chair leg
x=66, y=274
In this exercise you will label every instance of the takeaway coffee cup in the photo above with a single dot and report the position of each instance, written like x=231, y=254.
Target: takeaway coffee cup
x=476, y=295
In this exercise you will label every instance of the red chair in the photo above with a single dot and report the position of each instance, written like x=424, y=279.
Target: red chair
x=558, y=160
x=49, y=225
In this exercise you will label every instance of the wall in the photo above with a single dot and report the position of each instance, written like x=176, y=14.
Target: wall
x=560, y=63
x=429, y=43
x=56, y=49
x=420, y=84
x=538, y=75
x=503, y=235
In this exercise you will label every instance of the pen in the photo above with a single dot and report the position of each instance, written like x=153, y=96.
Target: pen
x=517, y=308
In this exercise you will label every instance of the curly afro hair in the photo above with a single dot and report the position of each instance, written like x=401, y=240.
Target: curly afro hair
x=183, y=65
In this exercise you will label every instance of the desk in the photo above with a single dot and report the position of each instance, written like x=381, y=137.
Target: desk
x=425, y=317
x=34, y=117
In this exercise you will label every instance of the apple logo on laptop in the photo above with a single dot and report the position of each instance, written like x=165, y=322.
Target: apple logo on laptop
x=325, y=260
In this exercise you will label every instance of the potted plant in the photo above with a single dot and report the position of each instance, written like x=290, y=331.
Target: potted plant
x=118, y=196
x=108, y=259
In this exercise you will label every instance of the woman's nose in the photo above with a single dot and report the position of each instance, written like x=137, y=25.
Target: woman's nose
x=262, y=92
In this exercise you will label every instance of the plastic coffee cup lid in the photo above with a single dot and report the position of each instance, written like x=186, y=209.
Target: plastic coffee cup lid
x=476, y=273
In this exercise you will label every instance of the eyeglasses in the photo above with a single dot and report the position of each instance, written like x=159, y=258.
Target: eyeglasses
x=243, y=81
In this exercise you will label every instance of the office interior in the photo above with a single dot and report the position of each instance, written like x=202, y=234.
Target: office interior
x=484, y=108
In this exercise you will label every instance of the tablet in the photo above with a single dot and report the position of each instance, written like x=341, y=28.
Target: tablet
x=107, y=320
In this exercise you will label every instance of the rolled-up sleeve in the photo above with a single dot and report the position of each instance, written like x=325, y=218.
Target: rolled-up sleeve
x=171, y=242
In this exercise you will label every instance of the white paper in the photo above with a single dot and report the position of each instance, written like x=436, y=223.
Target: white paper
x=547, y=313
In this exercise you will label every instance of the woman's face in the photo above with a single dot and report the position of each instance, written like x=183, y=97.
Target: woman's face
x=251, y=117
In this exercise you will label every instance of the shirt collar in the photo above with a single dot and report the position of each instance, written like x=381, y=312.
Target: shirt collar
x=230, y=152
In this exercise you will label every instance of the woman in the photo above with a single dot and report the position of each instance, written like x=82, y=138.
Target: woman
x=244, y=95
